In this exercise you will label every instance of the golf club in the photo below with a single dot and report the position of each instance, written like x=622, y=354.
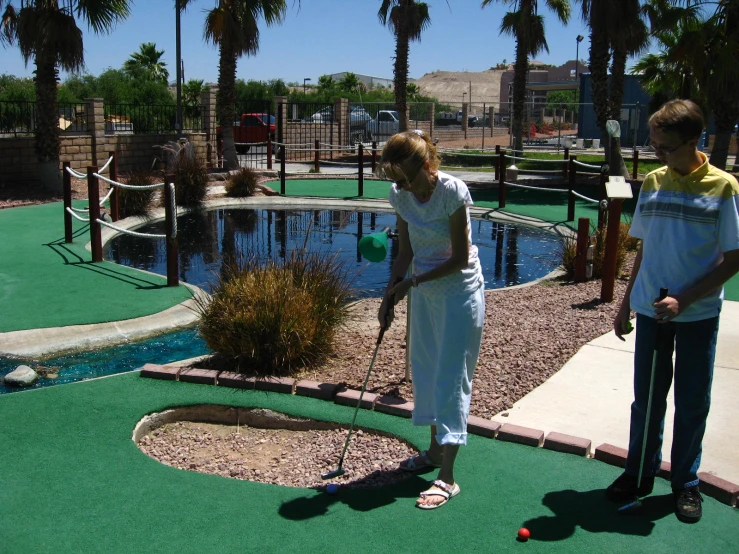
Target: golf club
x=636, y=503
x=340, y=469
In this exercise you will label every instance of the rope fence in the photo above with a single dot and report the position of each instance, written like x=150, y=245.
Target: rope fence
x=96, y=221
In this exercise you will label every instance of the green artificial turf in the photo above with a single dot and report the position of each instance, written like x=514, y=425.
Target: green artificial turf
x=73, y=481
x=48, y=283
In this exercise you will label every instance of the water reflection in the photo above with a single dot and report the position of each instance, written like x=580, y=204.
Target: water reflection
x=509, y=254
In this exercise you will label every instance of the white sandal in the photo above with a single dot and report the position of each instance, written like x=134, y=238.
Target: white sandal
x=419, y=462
x=442, y=489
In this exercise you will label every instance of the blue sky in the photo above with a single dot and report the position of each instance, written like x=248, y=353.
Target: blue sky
x=324, y=37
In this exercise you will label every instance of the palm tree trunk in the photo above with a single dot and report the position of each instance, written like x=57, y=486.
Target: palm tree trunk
x=599, y=55
x=225, y=104
x=401, y=77
x=519, y=93
x=725, y=115
x=47, y=142
x=615, y=158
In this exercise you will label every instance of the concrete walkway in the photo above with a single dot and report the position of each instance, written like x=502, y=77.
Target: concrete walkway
x=590, y=397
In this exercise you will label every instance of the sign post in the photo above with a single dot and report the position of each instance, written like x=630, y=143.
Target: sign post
x=616, y=190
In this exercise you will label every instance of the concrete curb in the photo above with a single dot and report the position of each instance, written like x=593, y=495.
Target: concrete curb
x=711, y=485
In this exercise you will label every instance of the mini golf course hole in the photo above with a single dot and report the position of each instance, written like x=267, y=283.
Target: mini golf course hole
x=270, y=447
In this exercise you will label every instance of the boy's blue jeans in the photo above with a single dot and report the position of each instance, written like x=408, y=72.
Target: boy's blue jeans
x=694, y=345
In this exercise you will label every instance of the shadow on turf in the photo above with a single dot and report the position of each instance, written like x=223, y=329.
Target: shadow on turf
x=359, y=499
x=590, y=511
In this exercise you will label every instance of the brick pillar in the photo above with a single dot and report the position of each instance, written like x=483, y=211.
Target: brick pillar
x=96, y=128
x=341, y=119
x=432, y=118
x=208, y=115
x=281, y=118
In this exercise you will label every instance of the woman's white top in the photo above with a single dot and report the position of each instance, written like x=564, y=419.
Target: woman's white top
x=428, y=229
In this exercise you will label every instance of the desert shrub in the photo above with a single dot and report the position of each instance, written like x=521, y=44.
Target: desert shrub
x=241, y=183
x=274, y=320
x=567, y=250
x=136, y=202
x=191, y=175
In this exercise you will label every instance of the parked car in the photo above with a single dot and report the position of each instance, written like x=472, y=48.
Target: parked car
x=386, y=124
x=324, y=115
x=471, y=118
x=250, y=128
x=358, y=116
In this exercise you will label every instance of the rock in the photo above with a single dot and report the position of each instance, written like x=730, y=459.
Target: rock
x=22, y=376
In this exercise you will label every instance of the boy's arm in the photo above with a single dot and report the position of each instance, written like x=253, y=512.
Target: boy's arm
x=622, y=317
x=672, y=306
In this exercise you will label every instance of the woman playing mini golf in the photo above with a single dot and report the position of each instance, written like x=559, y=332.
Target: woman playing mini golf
x=448, y=300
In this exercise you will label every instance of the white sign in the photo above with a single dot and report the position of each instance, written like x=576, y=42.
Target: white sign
x=617, y=187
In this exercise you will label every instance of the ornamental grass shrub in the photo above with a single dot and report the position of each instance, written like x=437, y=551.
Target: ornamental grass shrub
x=568, y=250
x=137, y=202
x=190, y=173
x=277, y=319
x=241, y=183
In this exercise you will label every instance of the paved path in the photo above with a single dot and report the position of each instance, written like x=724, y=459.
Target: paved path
x=591, y=395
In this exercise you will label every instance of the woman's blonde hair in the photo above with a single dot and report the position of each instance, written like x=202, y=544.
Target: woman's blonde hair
x=407, y=152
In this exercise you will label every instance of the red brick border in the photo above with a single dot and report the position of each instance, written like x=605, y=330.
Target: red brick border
x=610, y=454
x=522, y=435
x=394, y=406
x=483, y=427
x=314, y=389
x=236, y=380
x=560, y=442
x=277, y=384
x=720, y=489
x=200, y=376
x=350, y=397
x=165, y=372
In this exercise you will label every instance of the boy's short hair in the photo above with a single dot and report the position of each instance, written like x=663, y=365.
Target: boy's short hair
x=683, y=117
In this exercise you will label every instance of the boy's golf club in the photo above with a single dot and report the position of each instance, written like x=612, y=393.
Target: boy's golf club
x=635, y=504
x=340, y=469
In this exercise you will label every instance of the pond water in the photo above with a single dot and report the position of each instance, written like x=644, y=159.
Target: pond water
x=509, y=255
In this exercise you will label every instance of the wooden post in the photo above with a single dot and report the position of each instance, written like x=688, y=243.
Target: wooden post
x=282, y=169
x=114, y=209
x=93, y=195
x=567, y=157
x=170, y=216
x=67, y=187
x=601, y=197
x=317, y=158
x=609, y=259
x=360, y=169
x=497, y=161
x=501, y=181
x=374, y=156
x=581, y=252
x=571, y=182
x=269, y=151
x=635, y=168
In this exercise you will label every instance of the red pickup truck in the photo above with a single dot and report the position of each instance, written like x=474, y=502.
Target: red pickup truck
x=252, y=127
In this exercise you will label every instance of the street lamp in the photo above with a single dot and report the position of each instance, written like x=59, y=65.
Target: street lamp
x=304, y=81
x=577, y=54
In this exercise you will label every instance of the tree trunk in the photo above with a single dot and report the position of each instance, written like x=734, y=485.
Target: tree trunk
x=47, y=141
x=599, y=55
x=725, y=113
x=521, y=69
x=401, y=77
x=225, y=105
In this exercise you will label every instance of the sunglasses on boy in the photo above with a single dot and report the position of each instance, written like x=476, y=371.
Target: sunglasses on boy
x=664, y=149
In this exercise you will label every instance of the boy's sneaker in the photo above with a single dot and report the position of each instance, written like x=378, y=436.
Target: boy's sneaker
x=624, y=488
x=688, y=507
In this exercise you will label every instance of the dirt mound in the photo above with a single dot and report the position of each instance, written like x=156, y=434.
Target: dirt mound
x=448, y=86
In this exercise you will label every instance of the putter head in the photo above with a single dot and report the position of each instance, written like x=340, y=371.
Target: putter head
x=333, y=474
x=631, y=507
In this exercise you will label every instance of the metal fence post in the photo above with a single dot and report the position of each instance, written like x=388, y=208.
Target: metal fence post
x=501, y=181
x=360, y=169
x=317, y=158
x=282, y=169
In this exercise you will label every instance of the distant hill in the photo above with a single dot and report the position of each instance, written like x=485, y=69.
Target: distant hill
x=448, y=86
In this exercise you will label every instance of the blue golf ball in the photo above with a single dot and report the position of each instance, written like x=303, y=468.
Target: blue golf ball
x=333, y=488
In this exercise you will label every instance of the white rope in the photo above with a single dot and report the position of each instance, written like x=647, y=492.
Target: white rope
x=129, y=232
x=76, y=174
x=584, y=197
x=104, y=200
x=535, y=188
x=128, y=187
x=76, y=216
x=174, y=210
x=547, y=171
x=460, y=153
x=106, y=165
x=467, y=167
x=589, y=166
x=536, y=160
x=80, y=210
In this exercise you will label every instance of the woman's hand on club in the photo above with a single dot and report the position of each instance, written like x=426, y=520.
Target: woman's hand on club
x=398, y=292
x=386, y=314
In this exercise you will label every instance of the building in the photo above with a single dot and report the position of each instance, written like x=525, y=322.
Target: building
x=371, y=82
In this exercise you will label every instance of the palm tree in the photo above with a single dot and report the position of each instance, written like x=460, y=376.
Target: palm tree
x=527, y=26
x=147, y=62
x=697, y=61
x=407, y=19
x=48, y=34
x=617, y=30
x=233, y=26
x=350, y=82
